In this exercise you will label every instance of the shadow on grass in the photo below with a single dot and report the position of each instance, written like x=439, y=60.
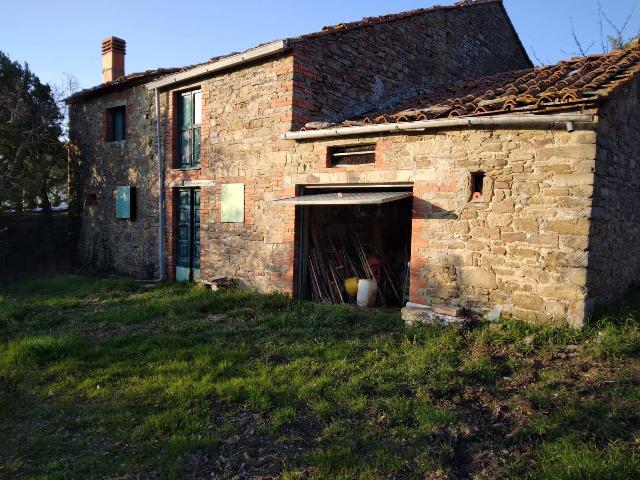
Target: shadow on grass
x=108, y=378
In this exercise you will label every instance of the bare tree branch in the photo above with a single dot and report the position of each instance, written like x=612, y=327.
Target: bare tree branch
x=600, y=13
x=618, y=40
x=539, y=61
x=583, y=51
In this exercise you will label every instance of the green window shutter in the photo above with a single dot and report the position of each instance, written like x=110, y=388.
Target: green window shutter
x=116, y=127
x=197, y=119
x=125, y=202
x=196, y=145
x=118, y=124
x=185, y=148
x=190, y=114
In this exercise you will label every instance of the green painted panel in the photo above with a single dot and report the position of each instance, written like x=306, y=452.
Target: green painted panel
x=123, y=201
x=232, y=202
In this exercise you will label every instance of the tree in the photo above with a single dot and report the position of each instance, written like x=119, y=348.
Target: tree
x=32, y=156
x=613, y=36
x=615, y=39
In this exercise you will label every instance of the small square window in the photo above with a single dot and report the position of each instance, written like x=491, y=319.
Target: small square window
x=352, y=155
x=477, y=186
x=116, y=124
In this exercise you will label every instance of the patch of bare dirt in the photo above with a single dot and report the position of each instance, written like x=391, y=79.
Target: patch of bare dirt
x=249, y=451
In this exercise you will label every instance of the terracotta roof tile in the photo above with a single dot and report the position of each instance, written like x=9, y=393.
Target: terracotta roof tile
x=127, y=80
x=139, y=78
x=571, y=83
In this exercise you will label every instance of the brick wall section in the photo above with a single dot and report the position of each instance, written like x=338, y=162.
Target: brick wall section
x=105, y=243
x=524, y=248
x=244, y=112
x=615, y=249
x=345, y=74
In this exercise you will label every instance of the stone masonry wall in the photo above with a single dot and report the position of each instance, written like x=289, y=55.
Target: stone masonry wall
x=107, y=244
x=244, y=112
x=524, y=247
x=344, y=74
x=615, y=246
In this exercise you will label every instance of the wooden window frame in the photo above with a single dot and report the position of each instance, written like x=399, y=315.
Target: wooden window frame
x=367, y=151
x=111, y=124
x=193, y=129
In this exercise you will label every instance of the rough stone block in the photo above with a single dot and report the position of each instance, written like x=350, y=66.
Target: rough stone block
x=527, y=301
x=578, y=226
x=427, y=316
x=573, y=179
x=526, y=224
x=566, y=151
x=478, y=277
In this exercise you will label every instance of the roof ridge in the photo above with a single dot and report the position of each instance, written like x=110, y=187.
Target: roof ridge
x=390, y=17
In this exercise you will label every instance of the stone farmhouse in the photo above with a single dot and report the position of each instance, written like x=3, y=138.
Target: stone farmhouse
x=421, y=148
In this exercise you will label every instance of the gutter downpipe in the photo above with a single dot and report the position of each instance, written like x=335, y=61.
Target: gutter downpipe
x=161, y=217
x=514, y=120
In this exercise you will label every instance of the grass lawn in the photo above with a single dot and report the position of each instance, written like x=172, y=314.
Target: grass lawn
x=102, y=378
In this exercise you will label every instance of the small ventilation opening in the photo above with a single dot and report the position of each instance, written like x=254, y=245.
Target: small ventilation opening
x=477, y=186
x=352, y=155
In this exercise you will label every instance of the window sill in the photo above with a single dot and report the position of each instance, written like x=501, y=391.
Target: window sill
x=360, y=165
x=115, y=142
x=186, y=169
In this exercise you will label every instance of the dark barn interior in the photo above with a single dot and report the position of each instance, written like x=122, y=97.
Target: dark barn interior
x=364, y=240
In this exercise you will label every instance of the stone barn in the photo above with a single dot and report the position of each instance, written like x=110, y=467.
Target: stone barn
x=420, y=149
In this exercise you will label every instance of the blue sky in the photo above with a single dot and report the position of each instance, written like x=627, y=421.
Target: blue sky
x=58, y=37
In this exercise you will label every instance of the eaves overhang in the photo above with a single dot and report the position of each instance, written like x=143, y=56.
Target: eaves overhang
x=231, y=61
x=547, y=121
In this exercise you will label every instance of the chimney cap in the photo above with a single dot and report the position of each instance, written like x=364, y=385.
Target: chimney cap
x=114, y=50
x=116, y=44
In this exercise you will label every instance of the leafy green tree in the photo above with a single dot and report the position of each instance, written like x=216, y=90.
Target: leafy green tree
x=32, y=156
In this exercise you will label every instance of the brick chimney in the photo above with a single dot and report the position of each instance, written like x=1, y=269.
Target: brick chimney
x=113, y=52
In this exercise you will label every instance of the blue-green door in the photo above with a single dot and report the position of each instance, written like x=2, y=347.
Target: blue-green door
x=188, y=244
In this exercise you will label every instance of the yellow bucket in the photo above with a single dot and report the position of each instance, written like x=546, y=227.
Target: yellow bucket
x=351, y=286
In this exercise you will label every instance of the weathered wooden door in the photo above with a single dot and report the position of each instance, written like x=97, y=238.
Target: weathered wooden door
x=188, y=254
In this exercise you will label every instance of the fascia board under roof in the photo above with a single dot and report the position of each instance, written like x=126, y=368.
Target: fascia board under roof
x=247, y=56
x=457, y=122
